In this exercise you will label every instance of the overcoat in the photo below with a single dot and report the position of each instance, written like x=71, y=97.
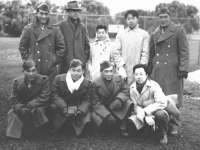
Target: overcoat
x=62, y=97
x=102, y=99
x=76, y=41
x=169, y=54
x=46, y=47
x=36, y=97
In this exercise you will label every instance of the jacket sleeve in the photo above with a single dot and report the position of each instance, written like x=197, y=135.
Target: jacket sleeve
x=60, y=103
x=124, y=92
x=117, y=52
x=145, y=49
x=24, y=44
x=97, y=106
x=183, y=48
x=151, y=52
x=87, y=44
x=60, y=46
x=86, y=101
x=16, y=104
x=44, y=95
x=160, y=100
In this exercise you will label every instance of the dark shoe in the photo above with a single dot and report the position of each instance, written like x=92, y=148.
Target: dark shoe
x=164, y=140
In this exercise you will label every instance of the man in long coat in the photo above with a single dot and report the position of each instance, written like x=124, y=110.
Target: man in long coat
x=169, y=56
x=43, y=42
x=71, y=98
x=30, y=92
x=131, y=47
x=110, y=99
x=76, y=37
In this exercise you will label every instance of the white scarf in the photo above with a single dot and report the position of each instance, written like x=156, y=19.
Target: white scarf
x=72, y=86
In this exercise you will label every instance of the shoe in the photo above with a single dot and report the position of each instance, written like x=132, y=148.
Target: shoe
x=164, y=140
x=174, y=131
x=124, y=133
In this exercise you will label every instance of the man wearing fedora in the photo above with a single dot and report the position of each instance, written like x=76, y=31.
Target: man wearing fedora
x=43, y=42
x=76, y=37
x=169, y=58
x=30, y=92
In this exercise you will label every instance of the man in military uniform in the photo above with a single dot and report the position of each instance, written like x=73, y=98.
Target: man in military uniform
x=169, y=58
x=30, y=92
x=43, y=42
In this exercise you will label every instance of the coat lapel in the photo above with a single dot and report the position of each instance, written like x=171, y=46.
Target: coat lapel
x=83, y=86
x=102, y=88
x=133, y=87
x=23, y=88
x=168, y=33
x=78, y=29
x=45, y=32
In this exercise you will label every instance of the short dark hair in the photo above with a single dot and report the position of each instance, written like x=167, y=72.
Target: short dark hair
x=145, y=67
x=133, y=12
x=75, y=63
x=101, y=27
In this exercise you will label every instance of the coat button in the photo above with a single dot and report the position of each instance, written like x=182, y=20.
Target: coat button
x=36, y=43
x=168, y=45
x=49, y=44
x=165, y=63
x=38, y=51
x=46, y=60
x=157, y=54
x=38, y=59
x=166, y=54
x=47, y=52
x=157, y=62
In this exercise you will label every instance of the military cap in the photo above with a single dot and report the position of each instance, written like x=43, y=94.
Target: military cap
x=28, y=64
x=163, y=10
x=105, y=64
x=73, y=5
x=43, y=7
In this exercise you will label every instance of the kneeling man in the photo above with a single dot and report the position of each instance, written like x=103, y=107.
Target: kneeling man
x=71, y=98
x=110, y=99
x=30, y=92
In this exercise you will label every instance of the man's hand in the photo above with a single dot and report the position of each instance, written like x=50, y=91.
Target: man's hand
x=24, y=113
x=79, y=113
x=183, y=74
x=111, y=120
x=122, y=72
x=149, y=120
x=141, y=115
x=65, y=112
x=116, y=105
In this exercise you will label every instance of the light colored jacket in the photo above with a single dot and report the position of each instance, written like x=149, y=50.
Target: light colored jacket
x=131, y=47
x=151, y=90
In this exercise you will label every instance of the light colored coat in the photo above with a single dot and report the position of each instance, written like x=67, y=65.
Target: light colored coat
x=99, y=51
x=76, y=41
x=36, y=97
x=151, y=90
x=131, y=47
x=169, y=54
x=46, y=47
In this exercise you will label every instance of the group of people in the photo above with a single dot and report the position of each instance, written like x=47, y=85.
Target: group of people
x=134, y=83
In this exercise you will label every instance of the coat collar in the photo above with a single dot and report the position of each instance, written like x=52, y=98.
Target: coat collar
x=168, y=33
x=42, y=33
x=102, y=87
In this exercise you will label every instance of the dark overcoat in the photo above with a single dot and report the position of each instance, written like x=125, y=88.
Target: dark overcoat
x=169, y=54
x=46, y=47
x=62, y=97
x=36, y=97
x=102, y=99
x=76, y=41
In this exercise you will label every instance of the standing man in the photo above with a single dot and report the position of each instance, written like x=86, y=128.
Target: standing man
x=76, y=37
x=30, y=93
x=169, y=58
x=131, y=47
x=43, y=42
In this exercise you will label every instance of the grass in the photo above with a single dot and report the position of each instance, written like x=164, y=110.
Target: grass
x=10, y=67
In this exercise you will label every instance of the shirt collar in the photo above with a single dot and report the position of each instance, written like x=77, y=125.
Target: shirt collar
x=129, y=29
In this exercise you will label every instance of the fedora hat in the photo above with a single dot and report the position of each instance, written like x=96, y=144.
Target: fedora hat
x=73, y=5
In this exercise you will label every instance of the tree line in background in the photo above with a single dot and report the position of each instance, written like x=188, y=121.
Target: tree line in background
x=14, y=15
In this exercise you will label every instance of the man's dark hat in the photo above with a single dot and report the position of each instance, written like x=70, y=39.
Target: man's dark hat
x=28, y=64
x=105, y=64
x=73, y=5
x=163, y=10
x=43, y=7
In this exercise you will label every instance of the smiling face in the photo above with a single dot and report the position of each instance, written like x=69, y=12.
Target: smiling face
x=140, y=75
x=107, y=73
x=30, y=73
x=101, y=34
x=76, y=73
x=131, y=21
x=164, y=20
x=43, y=16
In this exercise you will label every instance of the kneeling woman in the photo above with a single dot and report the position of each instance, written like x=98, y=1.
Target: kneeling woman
x=150, y=103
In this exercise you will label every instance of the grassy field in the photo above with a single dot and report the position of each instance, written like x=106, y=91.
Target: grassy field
x=10, y=67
